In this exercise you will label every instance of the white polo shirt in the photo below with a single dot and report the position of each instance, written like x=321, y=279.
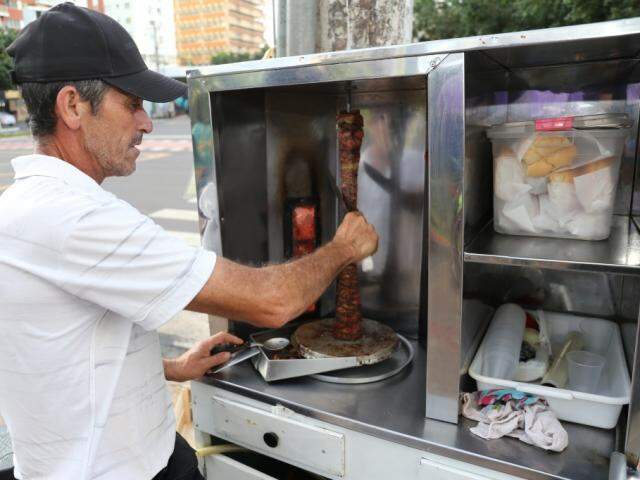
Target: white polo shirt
x=85, y=279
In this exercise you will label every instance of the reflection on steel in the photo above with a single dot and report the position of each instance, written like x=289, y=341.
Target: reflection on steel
x=619, y=254
x=445, y=237
x=315, y=340
x=402, y=357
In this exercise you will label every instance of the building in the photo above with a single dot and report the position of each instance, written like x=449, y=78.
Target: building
x=151, y=24
x=207, y=27
x=10, y=14
x=16, y=14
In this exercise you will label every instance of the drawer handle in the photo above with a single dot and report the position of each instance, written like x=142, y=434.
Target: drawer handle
x=271, y=439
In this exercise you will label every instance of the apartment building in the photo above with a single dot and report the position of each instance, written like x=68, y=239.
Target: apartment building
x=206, y=27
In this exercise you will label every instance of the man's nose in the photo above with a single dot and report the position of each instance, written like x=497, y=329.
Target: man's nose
x=144, y=121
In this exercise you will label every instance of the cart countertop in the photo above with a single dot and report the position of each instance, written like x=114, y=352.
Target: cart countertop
x=393, y=409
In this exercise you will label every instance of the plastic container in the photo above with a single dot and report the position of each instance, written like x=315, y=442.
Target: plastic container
x=504, y=340
x=600, y=409
x=585, y=369
x=557, y=177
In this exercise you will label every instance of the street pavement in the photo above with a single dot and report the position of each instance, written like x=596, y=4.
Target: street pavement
x=162, y=187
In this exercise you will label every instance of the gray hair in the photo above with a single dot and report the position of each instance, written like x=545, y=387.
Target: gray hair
x=41, y=102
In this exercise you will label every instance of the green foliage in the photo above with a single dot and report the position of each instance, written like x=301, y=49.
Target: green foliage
x=435, y=19
x=232, y=57
x=6, y=64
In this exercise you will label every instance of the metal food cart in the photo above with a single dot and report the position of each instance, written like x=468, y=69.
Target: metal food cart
x=426, y=184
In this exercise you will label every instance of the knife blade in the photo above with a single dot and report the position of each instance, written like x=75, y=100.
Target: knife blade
x=331, y=180
x=367, y=264
x=236, y=358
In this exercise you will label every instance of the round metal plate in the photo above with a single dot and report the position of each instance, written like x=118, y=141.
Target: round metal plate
x=315, y=340
x=401, y=357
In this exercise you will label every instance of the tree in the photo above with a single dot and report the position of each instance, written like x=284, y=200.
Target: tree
x=6, y=64
x=233, y=57
x=435, y=19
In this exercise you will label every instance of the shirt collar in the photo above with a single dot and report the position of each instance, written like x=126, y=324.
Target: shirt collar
x=46, y=166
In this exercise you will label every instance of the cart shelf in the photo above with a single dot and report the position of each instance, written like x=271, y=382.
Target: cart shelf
x=619, y=254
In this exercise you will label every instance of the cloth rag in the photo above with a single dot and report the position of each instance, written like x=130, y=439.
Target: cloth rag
x=514, y=414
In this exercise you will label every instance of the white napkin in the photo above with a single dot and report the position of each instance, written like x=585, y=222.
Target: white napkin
x=519, y=214
x=547, y=219
x=590, y=226
x=509, y=181
x=596, y=191
x=564, y=201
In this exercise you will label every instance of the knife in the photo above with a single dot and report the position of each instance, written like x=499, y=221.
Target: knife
x=367, y=264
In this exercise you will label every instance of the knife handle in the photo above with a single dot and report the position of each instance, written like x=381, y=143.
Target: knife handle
x=226, y=347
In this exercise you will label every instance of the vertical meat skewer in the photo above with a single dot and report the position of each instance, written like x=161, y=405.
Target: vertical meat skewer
x=348, y=322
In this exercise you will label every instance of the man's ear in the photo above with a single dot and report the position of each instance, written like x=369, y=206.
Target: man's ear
x=70, y=108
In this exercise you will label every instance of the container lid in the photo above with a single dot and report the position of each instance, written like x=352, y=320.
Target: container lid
x=584, y=122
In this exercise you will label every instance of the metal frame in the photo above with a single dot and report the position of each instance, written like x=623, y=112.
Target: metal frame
x=445, y=218
x=445, y=242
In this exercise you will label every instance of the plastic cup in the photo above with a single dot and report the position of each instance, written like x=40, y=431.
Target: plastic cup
x=597, y=336
x=500, y=364
x=585, y=369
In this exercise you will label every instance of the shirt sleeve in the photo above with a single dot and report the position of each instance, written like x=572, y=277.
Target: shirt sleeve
x=119, y=259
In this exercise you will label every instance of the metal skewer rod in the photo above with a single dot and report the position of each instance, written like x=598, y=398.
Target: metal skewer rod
x=349, y=96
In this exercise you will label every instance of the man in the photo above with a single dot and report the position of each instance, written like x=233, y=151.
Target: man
x=85, y=279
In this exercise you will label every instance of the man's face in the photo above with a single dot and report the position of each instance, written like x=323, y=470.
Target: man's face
x=112, y=133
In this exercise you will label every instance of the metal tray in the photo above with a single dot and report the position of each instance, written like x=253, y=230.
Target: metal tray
x=272, y=370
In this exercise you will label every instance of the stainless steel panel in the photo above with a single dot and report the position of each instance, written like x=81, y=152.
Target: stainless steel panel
x=485, y=105
x=301, y=139
x=321, y=73
x=205, y=178
x=391, y=195
x=446, y=97
x=619, y=254
x=588, y=42
x=578, y=292
x=393, y=410
x=239, y=128
x=301, y=143
x=632, y=444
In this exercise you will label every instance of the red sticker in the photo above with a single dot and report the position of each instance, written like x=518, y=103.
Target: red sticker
x=554, y=124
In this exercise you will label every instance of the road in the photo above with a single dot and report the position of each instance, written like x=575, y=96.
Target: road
x=162, y=187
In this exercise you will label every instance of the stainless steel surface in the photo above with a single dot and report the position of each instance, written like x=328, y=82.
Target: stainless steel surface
x=445, y=237
x=273, y=369
x=588, y=42
x=393, y=409
x=569, y=291
x=315, y=340
x=343, y=71
x=274, y=344
x=401, y=357
x=619, y=254
x=632, y=442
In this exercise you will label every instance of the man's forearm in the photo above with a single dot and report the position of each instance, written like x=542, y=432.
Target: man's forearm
x=304, y=279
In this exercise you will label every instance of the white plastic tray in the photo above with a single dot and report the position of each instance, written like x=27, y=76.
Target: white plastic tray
x=597, y=410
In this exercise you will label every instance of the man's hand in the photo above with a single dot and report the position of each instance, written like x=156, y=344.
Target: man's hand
x=196, y=361
x=358, y=235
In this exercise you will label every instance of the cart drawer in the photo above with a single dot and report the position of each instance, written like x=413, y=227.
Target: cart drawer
x=221, y=467
x=434, y=467
x=310, y=447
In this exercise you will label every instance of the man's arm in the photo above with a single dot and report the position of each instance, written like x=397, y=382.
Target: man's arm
x=271, y=296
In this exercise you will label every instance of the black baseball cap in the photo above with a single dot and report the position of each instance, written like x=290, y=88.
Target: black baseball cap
x=69, y=43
